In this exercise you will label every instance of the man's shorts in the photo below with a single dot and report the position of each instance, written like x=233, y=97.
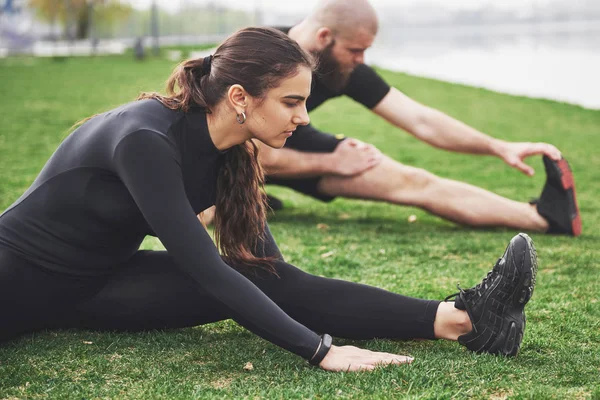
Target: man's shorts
x=310, y=140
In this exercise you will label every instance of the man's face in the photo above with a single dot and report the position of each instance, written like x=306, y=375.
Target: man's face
x=342, y=56
x=350, y=51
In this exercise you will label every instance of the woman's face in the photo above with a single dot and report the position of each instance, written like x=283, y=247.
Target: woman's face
x=274, y=118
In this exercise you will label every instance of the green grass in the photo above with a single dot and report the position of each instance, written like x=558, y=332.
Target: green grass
x=372, y=243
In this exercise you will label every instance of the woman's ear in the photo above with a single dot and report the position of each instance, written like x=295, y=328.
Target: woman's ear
x=238, y=98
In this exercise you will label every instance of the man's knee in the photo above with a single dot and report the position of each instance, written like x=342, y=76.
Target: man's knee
x=388, y=181
x=415, y=186
x=417, y=178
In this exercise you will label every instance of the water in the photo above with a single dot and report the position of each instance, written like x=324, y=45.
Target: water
x=559, y=61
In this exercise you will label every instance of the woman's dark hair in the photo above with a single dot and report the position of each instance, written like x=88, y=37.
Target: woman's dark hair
x=258, y=59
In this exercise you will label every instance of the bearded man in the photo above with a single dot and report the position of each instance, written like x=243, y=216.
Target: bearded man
x=324, y=166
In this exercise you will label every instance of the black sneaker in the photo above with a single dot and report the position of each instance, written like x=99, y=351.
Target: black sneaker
x=496, y=305
x=558, y=203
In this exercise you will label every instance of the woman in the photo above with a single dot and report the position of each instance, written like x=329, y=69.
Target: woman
x=69, y=246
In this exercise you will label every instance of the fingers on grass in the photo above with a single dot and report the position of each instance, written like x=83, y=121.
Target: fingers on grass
x=365, y=367
x=382, y=359
x=397, y=359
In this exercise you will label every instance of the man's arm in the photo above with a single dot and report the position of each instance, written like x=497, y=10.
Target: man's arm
x=432, y=126
x=445, y=132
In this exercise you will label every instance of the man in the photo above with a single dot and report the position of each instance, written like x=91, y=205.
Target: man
x=338, y=32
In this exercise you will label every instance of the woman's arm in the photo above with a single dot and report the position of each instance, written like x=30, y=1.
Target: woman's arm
x=148, y=166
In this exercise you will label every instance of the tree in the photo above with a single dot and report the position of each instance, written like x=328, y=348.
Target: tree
x=79, y=13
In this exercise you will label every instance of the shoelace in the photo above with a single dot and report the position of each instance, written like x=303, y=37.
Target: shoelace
x=482, y=285
x=474, y=290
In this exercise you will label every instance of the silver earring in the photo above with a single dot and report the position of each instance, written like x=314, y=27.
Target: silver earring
x=240, y=118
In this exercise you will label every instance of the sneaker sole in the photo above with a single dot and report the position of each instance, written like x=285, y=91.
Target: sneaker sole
x=525, y=287
x=514, y=338
x=561, y=170
x=528, y=281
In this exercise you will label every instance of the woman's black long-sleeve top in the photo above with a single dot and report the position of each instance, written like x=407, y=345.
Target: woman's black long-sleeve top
x=140, y=169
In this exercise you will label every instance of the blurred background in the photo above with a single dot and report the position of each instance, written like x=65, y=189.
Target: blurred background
x=538, y=48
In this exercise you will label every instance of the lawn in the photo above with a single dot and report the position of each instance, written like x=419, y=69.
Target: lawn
x=366, y=242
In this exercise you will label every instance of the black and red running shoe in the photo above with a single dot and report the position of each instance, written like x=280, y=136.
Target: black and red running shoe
x=558, y=203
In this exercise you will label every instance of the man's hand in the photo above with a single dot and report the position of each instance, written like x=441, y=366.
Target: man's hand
x=352, y=157
x=514, y=153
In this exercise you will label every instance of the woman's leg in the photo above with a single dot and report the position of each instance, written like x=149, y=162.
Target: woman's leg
x=357, y=311
x=450, y=322
x=152, y=293
x=33, y=298
x=488, y=317
x=149, y=292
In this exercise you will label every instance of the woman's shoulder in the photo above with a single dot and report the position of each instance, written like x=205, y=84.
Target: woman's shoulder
x=147, y=114
x=138, y=116
x=143, y=121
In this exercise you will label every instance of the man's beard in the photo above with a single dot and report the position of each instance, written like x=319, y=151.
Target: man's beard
x=329, y=70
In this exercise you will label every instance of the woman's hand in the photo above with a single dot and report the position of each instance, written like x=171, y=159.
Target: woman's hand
x=350, y=358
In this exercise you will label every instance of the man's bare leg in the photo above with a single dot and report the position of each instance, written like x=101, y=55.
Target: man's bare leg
x=456, y=201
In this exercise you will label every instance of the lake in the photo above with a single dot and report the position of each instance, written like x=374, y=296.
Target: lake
x=559, y=60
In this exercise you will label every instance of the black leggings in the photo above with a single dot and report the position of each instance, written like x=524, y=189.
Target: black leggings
x=151, y=292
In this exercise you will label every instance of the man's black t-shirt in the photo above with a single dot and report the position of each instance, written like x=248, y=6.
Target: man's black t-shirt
x=364, y=86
